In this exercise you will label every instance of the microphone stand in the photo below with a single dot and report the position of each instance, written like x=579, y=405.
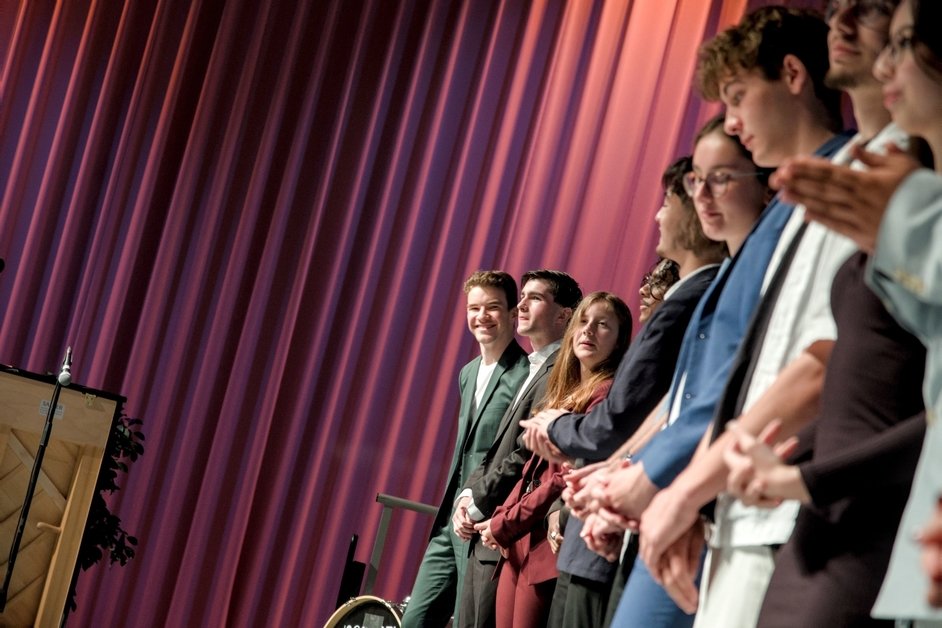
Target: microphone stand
x=64, y=379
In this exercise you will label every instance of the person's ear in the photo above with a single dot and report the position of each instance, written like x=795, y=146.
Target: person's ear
x=794, y=74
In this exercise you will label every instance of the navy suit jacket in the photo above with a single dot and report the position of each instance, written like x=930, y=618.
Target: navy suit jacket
x=641, y=381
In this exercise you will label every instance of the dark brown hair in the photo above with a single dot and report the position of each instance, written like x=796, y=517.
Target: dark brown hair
x=761, y=41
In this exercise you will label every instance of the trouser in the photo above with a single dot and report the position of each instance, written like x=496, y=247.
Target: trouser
x=441, y=573
x=478, y=593
x=578, y=602
x=734, y=584
x=645, y=604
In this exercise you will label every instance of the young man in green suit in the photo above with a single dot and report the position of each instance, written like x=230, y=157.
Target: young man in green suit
x=487, y=385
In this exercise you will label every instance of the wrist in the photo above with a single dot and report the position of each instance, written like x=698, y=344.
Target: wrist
x=796, y=485
x=689, y=492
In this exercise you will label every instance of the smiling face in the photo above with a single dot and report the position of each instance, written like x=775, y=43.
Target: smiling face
x=728, y=217
x=855, y=39
x=489, y=318
x=913, y=97
x=595, y=336
x=647, y=303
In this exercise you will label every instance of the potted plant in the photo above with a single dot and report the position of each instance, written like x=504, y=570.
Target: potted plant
x=104, y=533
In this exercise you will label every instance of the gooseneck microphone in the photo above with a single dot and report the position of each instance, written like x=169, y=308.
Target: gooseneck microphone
x=65, y=375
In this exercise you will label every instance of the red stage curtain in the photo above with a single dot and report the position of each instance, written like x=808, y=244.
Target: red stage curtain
x=254, y=219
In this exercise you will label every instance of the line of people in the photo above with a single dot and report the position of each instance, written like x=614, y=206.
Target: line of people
x=748, y=459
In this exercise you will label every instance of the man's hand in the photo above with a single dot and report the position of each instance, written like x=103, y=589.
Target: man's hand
x=553, y=532
x=669, y=516
x=758, y=475
x=487, y=537
x=463, y=526
x=627, y=492
x=579, y=483
x=931, y=539
x=851, y=202
x=536, y=434
x=676, y=570
x=602, y=538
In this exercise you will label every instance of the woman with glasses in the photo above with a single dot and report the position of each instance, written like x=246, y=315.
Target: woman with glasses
x=729, y=193
x=728, y=190
x=654, y=287
x=893, y=212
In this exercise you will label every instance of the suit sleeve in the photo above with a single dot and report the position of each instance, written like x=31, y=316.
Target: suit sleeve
x=643, y=378
x=520, y=515
x=906, y=267
x=885, y=459
x=671, y=449
x=517, y=519
x=489, y=488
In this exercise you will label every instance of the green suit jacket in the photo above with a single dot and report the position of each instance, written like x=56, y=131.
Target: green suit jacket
x=478, y=429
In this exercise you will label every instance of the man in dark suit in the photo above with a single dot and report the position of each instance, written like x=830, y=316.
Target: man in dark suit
x=487, y=386
x=642, y=380
x=546, y=305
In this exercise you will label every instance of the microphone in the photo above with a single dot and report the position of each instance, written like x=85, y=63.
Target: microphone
x=65, y=375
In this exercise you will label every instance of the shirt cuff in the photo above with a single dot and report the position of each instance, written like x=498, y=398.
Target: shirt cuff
x=473, y=512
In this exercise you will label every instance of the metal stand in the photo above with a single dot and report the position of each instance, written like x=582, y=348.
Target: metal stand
x=389, y=502
x=64, y=379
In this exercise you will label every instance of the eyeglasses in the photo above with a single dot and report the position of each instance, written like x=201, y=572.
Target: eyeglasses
x=898, y=44
x=652, y=288
x=867, y=12
x=716, y=182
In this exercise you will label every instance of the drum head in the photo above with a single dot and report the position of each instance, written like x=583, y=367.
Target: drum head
x=366, y=611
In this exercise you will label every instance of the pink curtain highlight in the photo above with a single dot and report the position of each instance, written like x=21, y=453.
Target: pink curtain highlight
x=253, y=219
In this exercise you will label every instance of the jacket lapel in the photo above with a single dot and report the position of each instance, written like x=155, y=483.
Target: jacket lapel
x=540, y=375
x=543, y=372
x=468, y=406
x=488, y=392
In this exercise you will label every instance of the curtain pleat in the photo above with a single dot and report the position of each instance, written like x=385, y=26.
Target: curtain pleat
x=254, y=220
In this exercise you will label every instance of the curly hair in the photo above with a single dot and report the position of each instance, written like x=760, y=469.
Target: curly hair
x=664, y=274
x=760, y=42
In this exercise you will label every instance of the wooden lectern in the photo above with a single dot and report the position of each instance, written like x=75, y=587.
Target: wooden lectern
x=48, y=553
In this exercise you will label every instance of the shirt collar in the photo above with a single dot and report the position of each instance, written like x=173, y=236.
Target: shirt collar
x=537, y=358
x=682, y=280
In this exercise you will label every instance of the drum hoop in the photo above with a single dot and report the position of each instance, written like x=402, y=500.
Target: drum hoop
x=334, y=620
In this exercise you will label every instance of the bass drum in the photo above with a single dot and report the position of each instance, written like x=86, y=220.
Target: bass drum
x=365, y=611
